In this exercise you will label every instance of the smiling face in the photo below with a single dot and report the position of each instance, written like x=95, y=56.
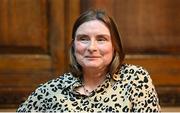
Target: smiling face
x=93, y=46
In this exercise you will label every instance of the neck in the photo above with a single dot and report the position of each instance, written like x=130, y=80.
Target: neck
x=92, y=79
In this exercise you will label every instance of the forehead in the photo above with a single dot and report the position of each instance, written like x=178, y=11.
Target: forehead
x=93, y=26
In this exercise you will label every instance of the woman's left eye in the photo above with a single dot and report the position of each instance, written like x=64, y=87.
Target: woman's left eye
x=101, y=38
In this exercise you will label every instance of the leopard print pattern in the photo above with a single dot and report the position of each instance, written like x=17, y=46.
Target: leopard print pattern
x=132, y=91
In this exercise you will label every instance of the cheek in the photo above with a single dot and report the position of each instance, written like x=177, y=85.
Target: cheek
x=107, y=50
x=79, y=49
x=107, y=53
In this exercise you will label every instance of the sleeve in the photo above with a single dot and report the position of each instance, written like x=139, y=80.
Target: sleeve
x=35, y=101
x=144, y=98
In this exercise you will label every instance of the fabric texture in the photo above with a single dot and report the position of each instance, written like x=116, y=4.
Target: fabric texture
x=131, y=91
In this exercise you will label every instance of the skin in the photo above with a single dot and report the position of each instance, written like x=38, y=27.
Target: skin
x=94, y=52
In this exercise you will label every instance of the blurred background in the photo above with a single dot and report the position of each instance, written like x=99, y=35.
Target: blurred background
x=35, y=36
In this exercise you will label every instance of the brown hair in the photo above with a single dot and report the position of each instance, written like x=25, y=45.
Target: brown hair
x=119, y=55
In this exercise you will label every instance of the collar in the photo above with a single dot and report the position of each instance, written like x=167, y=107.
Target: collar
x=77, y=82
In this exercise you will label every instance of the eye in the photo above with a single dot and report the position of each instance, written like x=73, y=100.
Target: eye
x=102, y=38
x=82, y=38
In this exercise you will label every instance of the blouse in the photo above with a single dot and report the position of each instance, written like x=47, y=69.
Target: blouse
x=131, y=91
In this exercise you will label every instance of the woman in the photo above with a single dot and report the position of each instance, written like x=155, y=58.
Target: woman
x=98, y=79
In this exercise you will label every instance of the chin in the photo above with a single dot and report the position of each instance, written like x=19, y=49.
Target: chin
x=92, y=66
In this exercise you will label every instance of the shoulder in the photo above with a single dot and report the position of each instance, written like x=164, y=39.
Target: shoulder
x=46, y=93
x=140, y=88
x=59, y=83
x=134, y=72
x=130, y=68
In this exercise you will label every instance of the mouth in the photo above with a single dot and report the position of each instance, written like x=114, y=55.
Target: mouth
x=92, y=57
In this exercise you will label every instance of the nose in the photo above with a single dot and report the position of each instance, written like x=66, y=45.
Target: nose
x=92, y=46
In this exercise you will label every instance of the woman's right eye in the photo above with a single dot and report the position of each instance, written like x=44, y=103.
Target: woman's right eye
x=83, y=39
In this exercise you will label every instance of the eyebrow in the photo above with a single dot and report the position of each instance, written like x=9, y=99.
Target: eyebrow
x=79, y=35
x=106, y=35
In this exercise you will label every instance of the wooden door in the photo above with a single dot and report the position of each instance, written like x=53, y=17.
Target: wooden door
x=33, y=45
x=150, y=31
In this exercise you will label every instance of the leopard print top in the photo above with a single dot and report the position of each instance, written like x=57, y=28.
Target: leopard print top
x=131, y=91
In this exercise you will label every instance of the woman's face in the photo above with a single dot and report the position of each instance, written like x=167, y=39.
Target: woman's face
x=93, y=45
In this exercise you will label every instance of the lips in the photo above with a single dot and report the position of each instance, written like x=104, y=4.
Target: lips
x=92, y=56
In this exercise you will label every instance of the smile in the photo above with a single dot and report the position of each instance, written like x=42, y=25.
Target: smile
x=92, y=57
